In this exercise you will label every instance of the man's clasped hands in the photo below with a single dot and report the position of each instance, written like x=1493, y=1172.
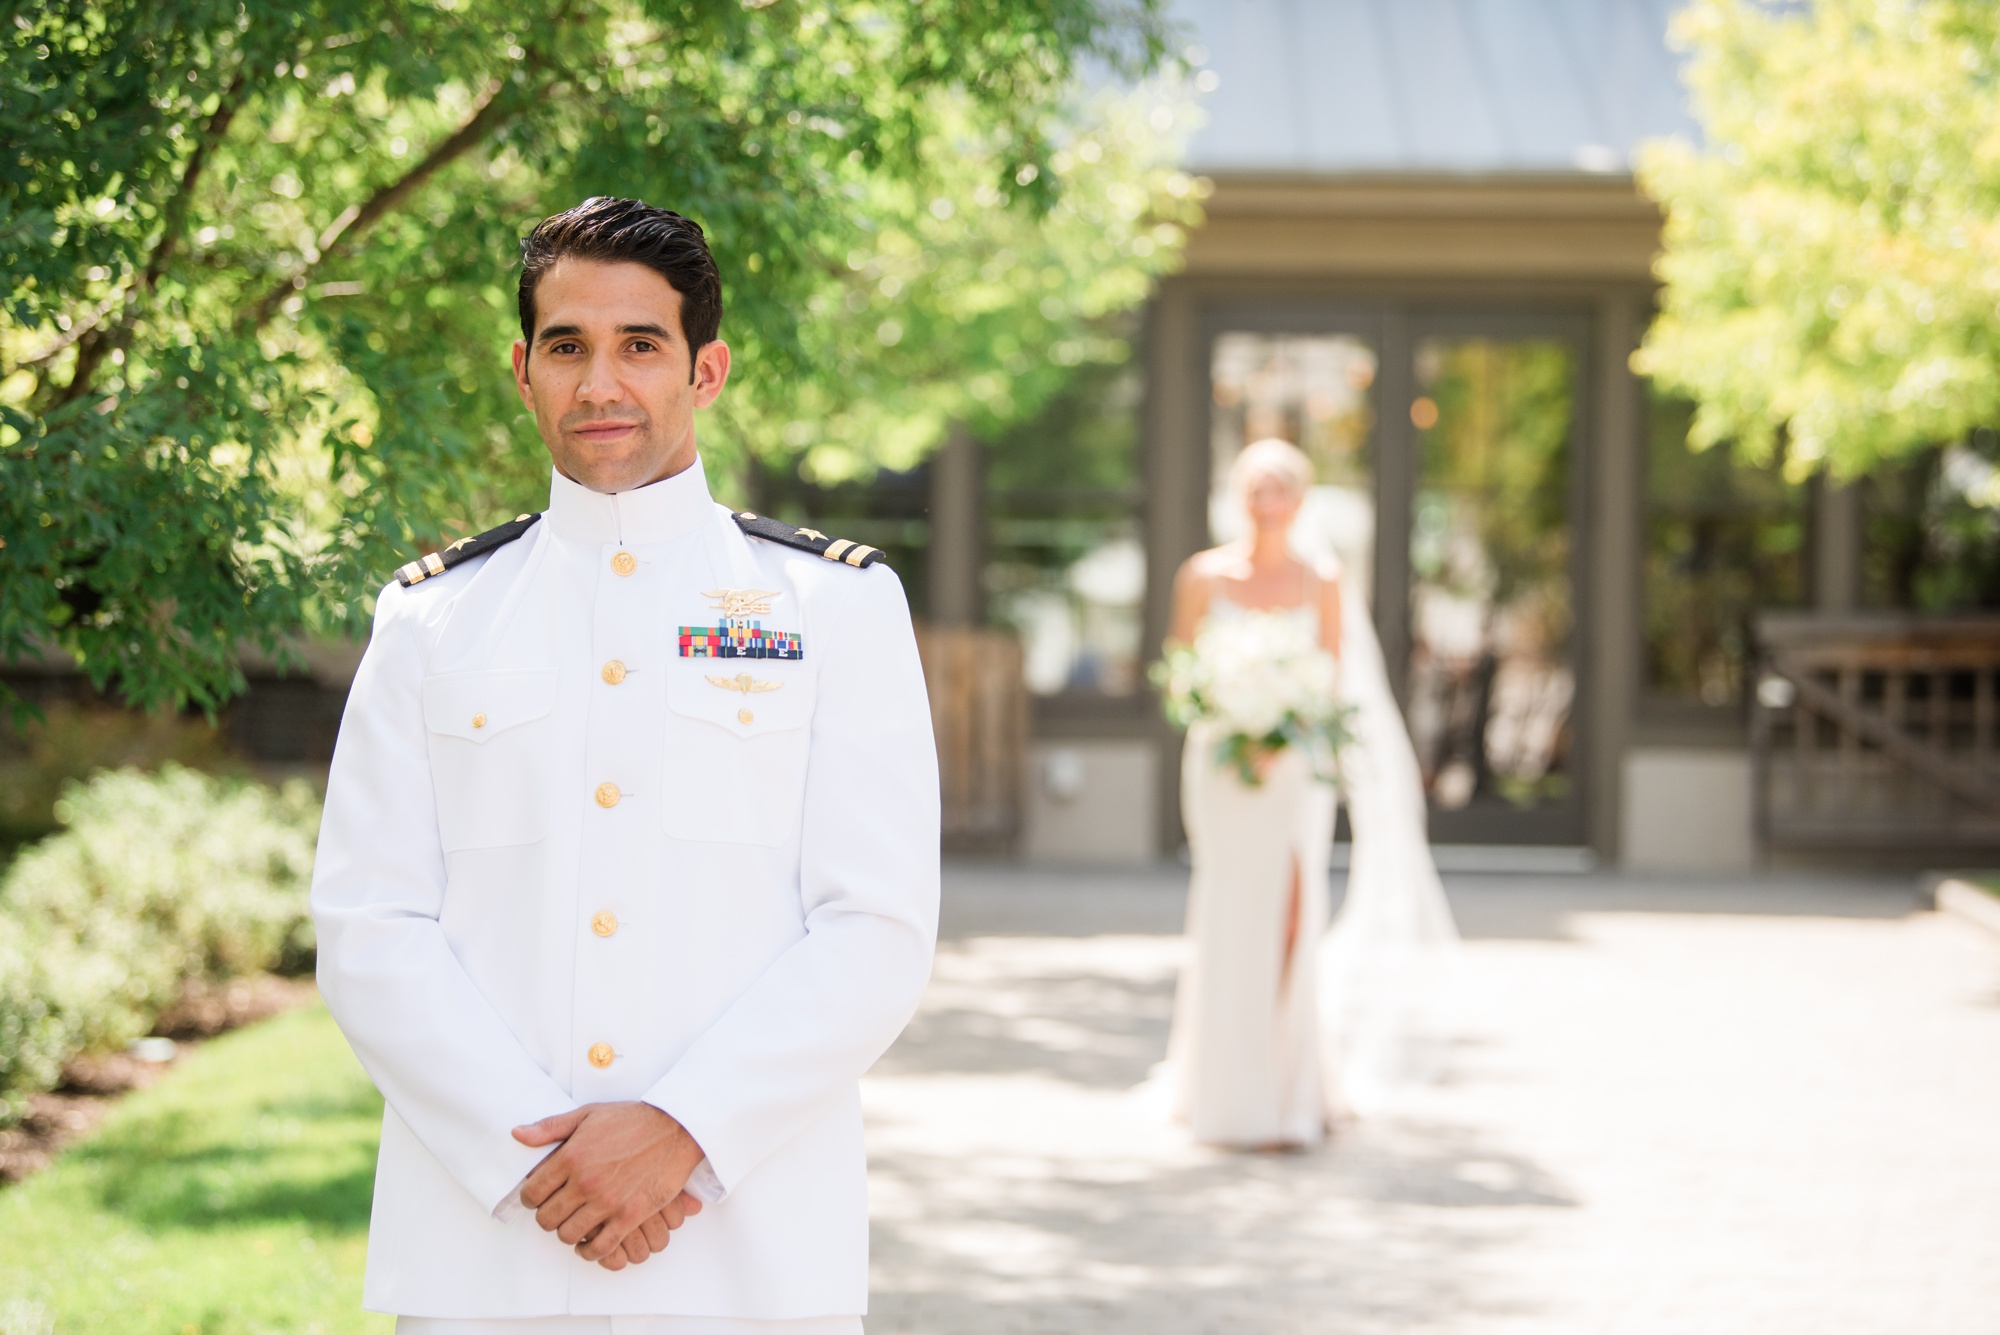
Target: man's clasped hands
x=615, y=1188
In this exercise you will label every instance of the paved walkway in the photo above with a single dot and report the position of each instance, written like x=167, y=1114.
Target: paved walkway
x=1677, y=1109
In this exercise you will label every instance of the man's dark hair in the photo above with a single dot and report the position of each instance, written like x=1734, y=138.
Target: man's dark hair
x=629, y=231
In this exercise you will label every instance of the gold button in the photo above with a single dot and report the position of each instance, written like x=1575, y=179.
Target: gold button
x=479, y=720
x=601, y=1055
x=607, y=794
x=613, y=672
x=745, y=716
x=624, y=563
x=604, y=922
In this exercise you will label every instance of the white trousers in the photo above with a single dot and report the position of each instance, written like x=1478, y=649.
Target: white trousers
x=625, y=1325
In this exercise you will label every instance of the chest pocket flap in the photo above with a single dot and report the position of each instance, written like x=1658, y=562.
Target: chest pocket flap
x=479, y=706
x=735, y=764
x=746, y=699
x=492, y=749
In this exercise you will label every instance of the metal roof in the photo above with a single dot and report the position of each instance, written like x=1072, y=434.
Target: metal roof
x=1427, y=86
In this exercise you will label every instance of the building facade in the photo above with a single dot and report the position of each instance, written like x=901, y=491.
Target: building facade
x=1426, y=262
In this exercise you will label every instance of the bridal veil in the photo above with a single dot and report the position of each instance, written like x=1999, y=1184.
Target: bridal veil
x=1385, y=965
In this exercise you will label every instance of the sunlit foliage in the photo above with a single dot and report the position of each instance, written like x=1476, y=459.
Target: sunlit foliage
x=257, y=262
x=1832, y=262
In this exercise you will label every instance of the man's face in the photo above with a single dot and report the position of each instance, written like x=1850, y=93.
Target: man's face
x=608, y=375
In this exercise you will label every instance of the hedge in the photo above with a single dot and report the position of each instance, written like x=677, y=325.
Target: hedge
x=154, y=881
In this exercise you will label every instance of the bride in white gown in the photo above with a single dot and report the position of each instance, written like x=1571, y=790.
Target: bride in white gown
x=1278, y=1024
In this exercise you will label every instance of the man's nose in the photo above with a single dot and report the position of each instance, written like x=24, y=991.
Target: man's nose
x=600, y=381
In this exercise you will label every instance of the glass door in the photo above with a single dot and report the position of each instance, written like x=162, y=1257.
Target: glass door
x=1490, y=671
x=1447, y=486
x=1316, y=391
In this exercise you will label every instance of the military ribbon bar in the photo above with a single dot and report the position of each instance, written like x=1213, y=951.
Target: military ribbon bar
x=740, y=638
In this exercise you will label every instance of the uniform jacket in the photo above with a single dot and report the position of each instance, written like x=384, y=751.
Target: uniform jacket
x=566, y=859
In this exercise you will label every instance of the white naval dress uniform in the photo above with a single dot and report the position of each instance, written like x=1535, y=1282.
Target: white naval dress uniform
x=562, y=862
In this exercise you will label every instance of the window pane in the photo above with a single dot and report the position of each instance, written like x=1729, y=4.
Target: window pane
x=1072, y=589
x=1931, y=530
x=1066, y=564
x=1491, y=683
x=1314, y=391
x=1722, y=541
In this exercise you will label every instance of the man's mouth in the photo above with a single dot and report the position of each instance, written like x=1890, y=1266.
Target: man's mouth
x=604, y=430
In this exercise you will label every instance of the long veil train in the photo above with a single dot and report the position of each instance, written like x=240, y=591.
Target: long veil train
x=1384, y=965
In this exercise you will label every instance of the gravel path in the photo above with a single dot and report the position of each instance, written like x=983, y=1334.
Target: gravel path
x=1701, y=1108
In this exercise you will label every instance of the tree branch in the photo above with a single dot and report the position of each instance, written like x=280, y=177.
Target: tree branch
x=488, y=116
x=82, y=327
x=96, y=343
x=493, y=111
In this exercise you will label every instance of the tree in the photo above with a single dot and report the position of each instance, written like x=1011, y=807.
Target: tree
x=257, y=268
x=1832, y=259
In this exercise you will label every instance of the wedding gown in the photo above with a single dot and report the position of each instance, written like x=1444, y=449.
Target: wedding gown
x=1265, y=1049
x=1246, y=1041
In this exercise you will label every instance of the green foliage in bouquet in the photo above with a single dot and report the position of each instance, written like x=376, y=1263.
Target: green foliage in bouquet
x=1264, y=685
x=155, y=881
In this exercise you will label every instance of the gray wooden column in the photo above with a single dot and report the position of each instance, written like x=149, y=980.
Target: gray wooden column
x=1836, y=555
x=1395, y=495
x=958, y=546
x=1614, y=533
x=1174, y=455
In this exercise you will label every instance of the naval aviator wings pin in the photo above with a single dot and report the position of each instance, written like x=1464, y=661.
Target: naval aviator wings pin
x=745, y=683
x=741, y=634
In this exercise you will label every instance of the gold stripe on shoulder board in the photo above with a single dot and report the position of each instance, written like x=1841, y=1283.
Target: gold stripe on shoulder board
x=862, y=551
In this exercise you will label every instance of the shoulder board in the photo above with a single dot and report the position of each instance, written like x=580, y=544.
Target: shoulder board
x=421, y=569
x=838, y=550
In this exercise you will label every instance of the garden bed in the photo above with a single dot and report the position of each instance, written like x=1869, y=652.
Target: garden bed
x=232, y=1196
x=90, y=1084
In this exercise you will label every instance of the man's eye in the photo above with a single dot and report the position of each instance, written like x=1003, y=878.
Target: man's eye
x=567, y=347
x=643, y=345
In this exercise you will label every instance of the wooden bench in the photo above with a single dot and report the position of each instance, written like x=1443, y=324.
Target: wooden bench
x=1877, y=733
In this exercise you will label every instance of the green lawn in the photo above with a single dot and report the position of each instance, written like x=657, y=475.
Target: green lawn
x=232, y=1197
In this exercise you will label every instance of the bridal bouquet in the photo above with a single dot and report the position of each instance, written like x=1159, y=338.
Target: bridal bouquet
x=1266, y=684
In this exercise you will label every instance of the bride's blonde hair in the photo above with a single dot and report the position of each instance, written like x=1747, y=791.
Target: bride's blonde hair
x=1272, y=458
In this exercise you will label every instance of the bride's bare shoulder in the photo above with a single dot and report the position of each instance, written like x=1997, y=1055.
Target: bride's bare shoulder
x=1205, y=565
x=1197, y=576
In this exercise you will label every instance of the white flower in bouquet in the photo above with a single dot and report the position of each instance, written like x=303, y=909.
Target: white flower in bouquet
x=1265, y=682
x=1264, y=669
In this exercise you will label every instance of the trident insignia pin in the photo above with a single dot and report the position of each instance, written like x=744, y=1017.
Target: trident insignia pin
x=742, y=602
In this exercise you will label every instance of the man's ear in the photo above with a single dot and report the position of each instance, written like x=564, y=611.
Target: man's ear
x=521, y=384
x=711, y=372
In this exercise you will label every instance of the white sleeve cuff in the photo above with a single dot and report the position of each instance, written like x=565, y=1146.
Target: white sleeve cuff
x=511, y=1204
x=704, y=1185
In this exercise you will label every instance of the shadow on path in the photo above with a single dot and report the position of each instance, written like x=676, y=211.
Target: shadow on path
x=1021, y=1184
x=1010, y=900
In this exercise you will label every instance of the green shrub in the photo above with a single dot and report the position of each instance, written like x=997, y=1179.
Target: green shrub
x=34, y=1041
x=153, y=882
x=69, y=742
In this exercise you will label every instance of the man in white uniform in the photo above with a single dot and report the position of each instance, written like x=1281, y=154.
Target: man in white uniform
x=629, y=867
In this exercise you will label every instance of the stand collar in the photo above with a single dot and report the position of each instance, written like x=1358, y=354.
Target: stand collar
x=660, y=512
